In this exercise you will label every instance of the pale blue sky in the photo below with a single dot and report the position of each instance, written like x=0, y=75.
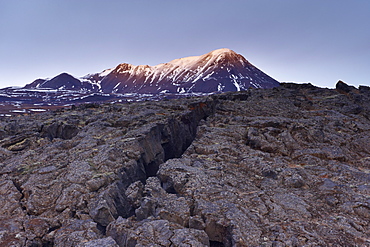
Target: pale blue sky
x=291, y=40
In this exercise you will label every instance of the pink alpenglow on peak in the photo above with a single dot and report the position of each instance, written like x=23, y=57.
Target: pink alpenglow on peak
x=217, y=71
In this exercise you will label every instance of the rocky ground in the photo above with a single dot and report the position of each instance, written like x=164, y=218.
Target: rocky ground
x=288, y=166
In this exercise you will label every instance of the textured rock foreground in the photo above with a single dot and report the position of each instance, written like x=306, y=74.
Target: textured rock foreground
x=288, y=166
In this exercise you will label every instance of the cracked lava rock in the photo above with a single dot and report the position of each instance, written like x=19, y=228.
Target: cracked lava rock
x=288, y=166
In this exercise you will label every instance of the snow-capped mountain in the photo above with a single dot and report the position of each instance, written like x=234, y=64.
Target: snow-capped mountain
x=218, y=71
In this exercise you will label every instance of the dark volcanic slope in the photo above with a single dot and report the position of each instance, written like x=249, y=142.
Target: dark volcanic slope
x=287, y=166
x=63, y=81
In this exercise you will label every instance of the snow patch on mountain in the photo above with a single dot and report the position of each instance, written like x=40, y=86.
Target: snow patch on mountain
x=105, y=72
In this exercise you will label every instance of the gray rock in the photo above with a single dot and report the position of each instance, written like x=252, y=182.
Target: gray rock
x=75, y=233
x=134, y=193
x=280, y=167
x=106, y=242
x=10, y=198
x=189, y=237
x=155, y=233
x=60, y=130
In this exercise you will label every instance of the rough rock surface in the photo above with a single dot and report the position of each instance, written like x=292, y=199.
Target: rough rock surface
x=288, y=166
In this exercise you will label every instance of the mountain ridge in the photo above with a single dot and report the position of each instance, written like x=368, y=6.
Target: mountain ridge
x=220, y=70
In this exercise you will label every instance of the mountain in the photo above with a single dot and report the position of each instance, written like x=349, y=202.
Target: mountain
x=221, y=70
x=63, y=81
x=218, y=71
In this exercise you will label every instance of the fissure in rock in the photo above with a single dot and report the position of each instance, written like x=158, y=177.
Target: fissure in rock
x=161, y=142
x=170, y=140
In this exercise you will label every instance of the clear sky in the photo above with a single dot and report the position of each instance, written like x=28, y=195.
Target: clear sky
x=317, y=41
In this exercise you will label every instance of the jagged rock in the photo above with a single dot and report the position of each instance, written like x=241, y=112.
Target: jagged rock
x=75, y=233
x=17, y=143
x=59, y=130
x=342, y=87
x=106, y=242
x=158, y=203
x=364, y=90
x=110, y=204
x=134, y=193
x=287, y=166
x=12, y=231
x=10, y=198
x=155, y=233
